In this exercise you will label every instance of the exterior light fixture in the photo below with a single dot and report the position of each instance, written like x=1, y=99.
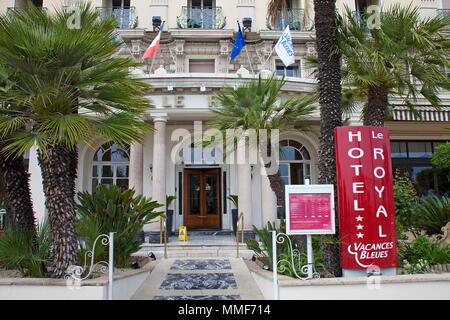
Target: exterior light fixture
x=247, y=24
x=156, y=23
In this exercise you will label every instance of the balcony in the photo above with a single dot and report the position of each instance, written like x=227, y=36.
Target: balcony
x=295, y=18
x=443, y=12
x=11, y=10
x=201, y=18
x=126, y=17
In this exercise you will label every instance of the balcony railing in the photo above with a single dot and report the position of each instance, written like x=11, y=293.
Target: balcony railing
x=201, y=18
x=11, y=10
x=126, y=17
x=295, y=18
x=443, y=12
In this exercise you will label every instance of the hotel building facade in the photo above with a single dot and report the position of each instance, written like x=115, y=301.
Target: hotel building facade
x=193, y=64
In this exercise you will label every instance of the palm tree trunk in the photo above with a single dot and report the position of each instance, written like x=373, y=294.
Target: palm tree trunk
x=329, y=79
x=277, y=186
x=376, y=106
x=58, y=168
x=17, y=193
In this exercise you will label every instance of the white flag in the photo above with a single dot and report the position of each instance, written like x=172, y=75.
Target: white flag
x=285, y=48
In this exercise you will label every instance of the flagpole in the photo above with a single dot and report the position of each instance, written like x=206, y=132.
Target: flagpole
x=270, y=55
x=153, y=58
x=151, y=66
x=248, y=57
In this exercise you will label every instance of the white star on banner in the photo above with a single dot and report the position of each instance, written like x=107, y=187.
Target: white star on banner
x=360, y=235
x=359, y=226
x=359, y=218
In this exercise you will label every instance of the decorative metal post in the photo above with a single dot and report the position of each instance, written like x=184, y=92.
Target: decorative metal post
x=274, y=265
x=76, y=272
x=307, y=269
x=111, y=265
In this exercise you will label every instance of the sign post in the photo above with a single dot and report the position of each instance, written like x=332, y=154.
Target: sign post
x=309, y=210
x=366, y=201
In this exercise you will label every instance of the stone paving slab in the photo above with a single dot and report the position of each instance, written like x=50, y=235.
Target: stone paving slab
x=199, y=279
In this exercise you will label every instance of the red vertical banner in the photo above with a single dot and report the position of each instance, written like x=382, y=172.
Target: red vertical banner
x=365, y=197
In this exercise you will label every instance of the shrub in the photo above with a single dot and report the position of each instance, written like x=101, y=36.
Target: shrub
x=405, y=198
x=107, y=210
x=432, y=214
x=26, y=252
x=422, y=252
x=284, y=252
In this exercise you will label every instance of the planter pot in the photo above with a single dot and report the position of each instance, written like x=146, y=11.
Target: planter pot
x=234, y=216
x=169, y=214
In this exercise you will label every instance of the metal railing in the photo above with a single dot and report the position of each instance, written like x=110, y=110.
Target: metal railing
x=295, y=18
x=163, y=230
x=443, y=12
x=201, y=18
x=239, y=224
x=126, y=17
x=11, y=10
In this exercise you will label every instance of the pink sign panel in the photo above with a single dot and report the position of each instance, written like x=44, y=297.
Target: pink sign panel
x=309, y=209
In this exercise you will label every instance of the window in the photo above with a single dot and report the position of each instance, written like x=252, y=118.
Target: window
x=111, y=165
x=295, y=162
x=413, y=157
x=201, y=14
x=294, y=70
x=202, y=66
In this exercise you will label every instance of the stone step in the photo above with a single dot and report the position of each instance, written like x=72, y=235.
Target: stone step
x=195, y=250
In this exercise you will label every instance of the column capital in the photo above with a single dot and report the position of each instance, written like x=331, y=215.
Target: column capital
x=159, y=116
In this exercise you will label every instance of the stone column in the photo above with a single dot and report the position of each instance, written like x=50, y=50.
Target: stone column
x=268, y=201
x=158, y=169
x=244, y=181
x=136, y=167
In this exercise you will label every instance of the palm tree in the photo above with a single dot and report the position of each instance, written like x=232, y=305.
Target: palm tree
x=16, y=188
x=17, y=195
x=329, y=95
x=277, y=9
x=405, y=56
x=63, y=91
x=255, y=106
x=329, y=81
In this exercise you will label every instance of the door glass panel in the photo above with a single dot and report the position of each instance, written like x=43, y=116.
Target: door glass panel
x=193, y=194
x=212, y=197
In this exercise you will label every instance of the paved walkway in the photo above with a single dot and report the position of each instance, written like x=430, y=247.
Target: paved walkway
x=199, y=279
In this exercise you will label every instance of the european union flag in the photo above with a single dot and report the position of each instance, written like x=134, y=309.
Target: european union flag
x=239, y=43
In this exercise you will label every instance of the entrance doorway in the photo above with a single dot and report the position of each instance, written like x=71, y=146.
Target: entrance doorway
x=202, y=201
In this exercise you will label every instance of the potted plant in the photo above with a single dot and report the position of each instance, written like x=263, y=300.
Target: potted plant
x=234, y=212
x=169, y=214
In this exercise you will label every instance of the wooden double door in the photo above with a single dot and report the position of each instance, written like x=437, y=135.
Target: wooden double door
x=202, y=198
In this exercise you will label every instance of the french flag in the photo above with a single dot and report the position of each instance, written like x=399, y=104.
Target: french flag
x=151, y=50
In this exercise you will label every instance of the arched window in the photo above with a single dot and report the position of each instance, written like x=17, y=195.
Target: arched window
x=295, y=162
x=111, y=165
